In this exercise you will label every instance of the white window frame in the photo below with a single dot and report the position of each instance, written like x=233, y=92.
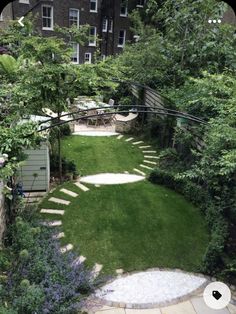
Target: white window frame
x=78, y=16
x=52, y=19
x=104, y=29
x=77, y=53
x=96, y=5
x=94, y=43
x=89, y=59
x=126, y=9
x=138, y=5
x=24, y=1
x=119, y=45
x=111, y=26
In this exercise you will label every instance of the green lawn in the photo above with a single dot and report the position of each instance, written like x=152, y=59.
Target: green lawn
x=101, y=154
x=133, y=226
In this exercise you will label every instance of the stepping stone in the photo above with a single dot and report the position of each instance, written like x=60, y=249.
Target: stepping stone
x=79, y=260
x=129, y=139
x=146, y=167
x=59, y=201
x=68, y=192
x=96, y=270
x=145, y=146
x=120, y=136
x=139, y=171
x=66, y=248
x=119, y=271
x=54, y=223
x=149, y=151
x=136, y=143
x=52, y=211
x=150, y=162
x=127, y=172
x=58, y=235
x=154, y=157
x=81, y=186
x=97, y=185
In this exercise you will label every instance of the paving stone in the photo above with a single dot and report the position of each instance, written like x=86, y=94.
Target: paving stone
x=96, y=270
x=129, y=139
x=139, y=171
x=120, y=136
x=143, y=311
x=154, y=157
x=66, y=248
x=80, y=259
x=68, y=192
x=52, y=211
x=150, y=162
x=53, y=223
x=97, y=185
x=180, y=308
x=81, y=186
x=149, y=151
x=201, y=307
x=59, y=201
x=112, y=311
x=127, y=172
x=136, y=143
x=146, y=167
x=58, y=235
x=147, y=146
x=232, y=309
x=119, y=271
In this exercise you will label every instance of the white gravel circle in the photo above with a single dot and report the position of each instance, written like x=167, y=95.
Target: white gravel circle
x=111, y=178
x=150, y=287
x=95, y=133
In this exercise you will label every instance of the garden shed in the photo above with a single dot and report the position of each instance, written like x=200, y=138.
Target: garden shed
x=34, y=174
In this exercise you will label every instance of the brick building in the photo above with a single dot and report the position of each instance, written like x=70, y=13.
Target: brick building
x=108, y=19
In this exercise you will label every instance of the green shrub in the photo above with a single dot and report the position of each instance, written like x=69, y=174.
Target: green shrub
x=212, y=260
x=8, y=310
x=68, y=166
x=65, y=130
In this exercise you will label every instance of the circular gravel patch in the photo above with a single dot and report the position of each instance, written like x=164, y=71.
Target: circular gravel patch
x=95, y=133
x=111, y=178
x=150, y=287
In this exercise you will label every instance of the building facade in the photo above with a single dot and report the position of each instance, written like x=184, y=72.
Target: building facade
x=108, y=19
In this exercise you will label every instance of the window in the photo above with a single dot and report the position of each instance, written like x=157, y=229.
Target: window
x=104, y=25
x=87, y=57
x=110, y=26
x=92, y=36
x=124, y=8
x=121, y=39
x=93, y=6
x=47, y=17
x=73, y=17
x=75, y=55
x=24, y=1
x=140, y=3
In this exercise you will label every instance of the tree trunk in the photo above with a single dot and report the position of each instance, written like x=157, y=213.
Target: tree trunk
x=59, y=149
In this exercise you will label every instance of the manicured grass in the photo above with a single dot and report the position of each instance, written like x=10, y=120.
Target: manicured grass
x=101, y=154
x=133, y=226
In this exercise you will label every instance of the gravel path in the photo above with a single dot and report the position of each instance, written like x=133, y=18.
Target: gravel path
x=111, y=178
x=150, y=287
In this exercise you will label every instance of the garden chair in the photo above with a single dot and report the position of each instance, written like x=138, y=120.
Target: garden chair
x=92, y=120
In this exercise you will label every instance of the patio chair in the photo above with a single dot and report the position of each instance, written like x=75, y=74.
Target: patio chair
x=92, y=120
x=108, y=119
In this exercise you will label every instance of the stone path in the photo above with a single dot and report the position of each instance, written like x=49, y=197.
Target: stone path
x=81, y=186
x=52, y=211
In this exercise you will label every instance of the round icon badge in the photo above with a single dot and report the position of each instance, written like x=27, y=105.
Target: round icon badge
x=217, y=295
